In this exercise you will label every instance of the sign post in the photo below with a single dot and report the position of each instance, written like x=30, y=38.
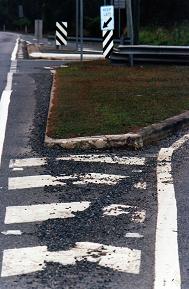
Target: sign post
x=77, y=24
x=130, y=27
x=81, y=29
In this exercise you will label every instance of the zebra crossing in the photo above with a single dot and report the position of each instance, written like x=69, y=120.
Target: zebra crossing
x=19, y=261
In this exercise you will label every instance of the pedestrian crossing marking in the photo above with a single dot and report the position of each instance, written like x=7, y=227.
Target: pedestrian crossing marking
x=113, y=159
x=102, y=158
x=19, y=261
x=28, y=162
x=96, y=178
x=137, y=215
x=32, y=259
x=140, y=185
x=28, y=182
x=134, y=235
x=43, y=212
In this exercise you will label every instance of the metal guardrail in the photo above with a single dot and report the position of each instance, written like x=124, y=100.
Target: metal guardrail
x=151, y=53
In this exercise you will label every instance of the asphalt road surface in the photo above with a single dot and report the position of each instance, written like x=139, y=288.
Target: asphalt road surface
x=84, y=219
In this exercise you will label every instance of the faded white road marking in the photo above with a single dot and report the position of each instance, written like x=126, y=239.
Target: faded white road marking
x=27, y=182
x=140, y=185
x=105, y=159
x=137, y=171
x=137, y=215
x=34, y=182
x=167, y=266
x=134, y=235
x=42, y=212
x=180, y=142
x=29, y=162
x=17, y=169
x=96, y=178
x=5, y=101
x=12, y=232
x=32, y=259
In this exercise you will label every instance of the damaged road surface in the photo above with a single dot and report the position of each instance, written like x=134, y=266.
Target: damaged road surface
x=84, y=219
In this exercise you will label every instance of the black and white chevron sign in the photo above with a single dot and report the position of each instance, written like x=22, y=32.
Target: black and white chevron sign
x=61, y=33
x=108, y=42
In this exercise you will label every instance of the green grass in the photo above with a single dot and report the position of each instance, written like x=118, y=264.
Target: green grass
x=93, y=98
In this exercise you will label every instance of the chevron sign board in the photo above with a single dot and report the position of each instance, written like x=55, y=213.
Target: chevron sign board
x=61, y=33
x=107, y=42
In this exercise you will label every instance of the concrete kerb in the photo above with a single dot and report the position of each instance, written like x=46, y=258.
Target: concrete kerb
x=35, y=53
x=32, y=48
x=144, y=136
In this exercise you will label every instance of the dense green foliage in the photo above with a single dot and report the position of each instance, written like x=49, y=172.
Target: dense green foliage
x=158, y=12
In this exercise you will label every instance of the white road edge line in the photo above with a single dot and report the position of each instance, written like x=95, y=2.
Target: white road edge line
x=5, y=101
x=167, y=266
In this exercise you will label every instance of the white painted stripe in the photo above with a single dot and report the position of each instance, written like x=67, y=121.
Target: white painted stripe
x=113, y=159
x=180, y=142
x=107, y=38
x=134, y=235
x=117, y=209
x=4, y=103
x=32, y=259
x=96, y=178
x=137, y=215
x=34, y=162
x=167, y=268
x=137, y=171
x=61, y=39
x=26, y=182
x=17, y=169
x=29, y=162
x=12, y=232
x=4, y=106
x=34, y=182
x=107, y=51
x=43, y=212
x=61, y=28
x=63, y=31
x=140, y=185
x=13, y=56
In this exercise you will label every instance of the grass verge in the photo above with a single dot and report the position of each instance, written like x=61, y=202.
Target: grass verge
x=93, y=98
